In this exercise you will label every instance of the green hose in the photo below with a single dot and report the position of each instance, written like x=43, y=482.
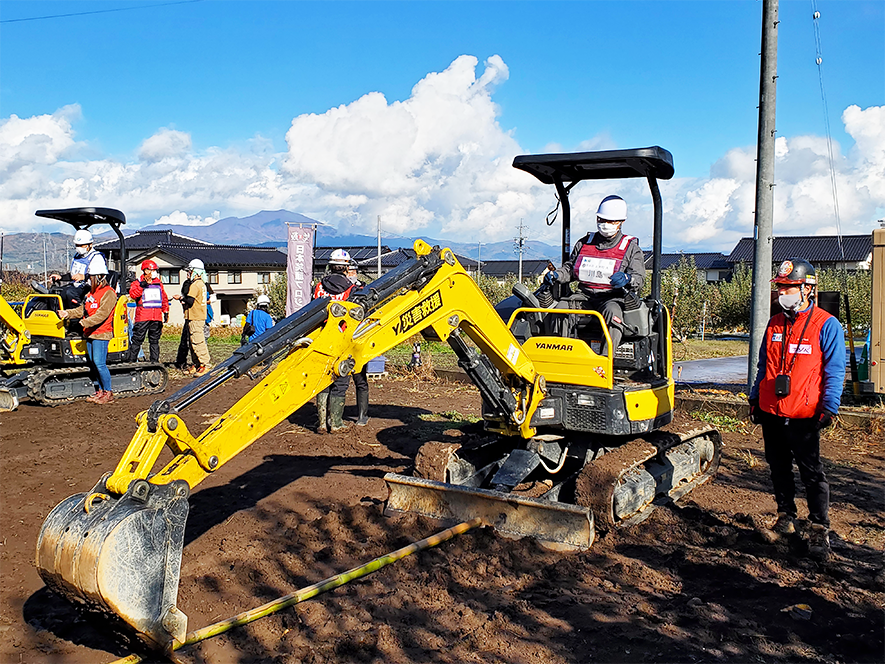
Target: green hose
x=313, y=590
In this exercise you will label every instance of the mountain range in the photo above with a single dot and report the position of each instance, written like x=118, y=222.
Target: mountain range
x=24, y=251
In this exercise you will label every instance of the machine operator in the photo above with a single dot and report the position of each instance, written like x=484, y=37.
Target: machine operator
x=607, y=266
x=88, y=261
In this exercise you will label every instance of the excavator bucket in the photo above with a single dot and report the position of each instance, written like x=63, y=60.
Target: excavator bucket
x=559, y=526
x=121, y=556
x=8, y=400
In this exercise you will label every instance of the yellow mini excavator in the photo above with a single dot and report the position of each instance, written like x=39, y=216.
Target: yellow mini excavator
x=558, y=414
x=45, y=357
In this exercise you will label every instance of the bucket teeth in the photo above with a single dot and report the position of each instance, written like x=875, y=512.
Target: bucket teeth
x=120, y=555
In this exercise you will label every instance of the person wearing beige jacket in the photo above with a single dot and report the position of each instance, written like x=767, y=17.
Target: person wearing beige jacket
x=194, y=305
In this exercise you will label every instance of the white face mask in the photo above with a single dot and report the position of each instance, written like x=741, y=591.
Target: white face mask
x=606, y=229
x=790, y=301
x=82, y=250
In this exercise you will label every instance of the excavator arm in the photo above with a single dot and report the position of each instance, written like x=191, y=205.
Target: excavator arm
x=133, y=519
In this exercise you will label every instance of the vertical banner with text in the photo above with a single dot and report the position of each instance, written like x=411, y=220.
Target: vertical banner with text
x=299, y=269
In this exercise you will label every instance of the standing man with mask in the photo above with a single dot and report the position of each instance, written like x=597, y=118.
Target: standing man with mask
x=334, y=285
x=797, y=392
x=607, y=266
x=151, y=311
x=361, y=379
x=87, y=261
x=194, y=303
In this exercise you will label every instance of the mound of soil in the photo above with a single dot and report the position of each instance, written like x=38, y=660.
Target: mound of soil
x=694, y=582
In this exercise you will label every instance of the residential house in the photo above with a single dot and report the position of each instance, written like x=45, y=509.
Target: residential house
x=712, y=267
x=141, y=241
x=501, y=269
x=234, y=272
x=851, y=252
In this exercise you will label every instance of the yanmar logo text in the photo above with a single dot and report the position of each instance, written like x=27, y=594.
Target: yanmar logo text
x=555, y=346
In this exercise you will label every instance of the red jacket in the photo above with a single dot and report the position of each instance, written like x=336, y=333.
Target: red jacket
x=800, y=358
x=151, y=302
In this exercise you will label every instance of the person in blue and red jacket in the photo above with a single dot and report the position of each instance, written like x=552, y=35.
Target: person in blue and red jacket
x=151, y=311
x=798, y=388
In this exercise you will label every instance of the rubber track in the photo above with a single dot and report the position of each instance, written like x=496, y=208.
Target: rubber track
x=38, y=378
x=599, y=479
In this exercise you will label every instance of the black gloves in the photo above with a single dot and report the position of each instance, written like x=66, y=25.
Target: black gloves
x=754, y=411
x=825, y=420
x=143, y=284
x=165, y=317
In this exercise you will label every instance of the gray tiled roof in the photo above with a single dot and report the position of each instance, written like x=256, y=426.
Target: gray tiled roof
x=702, y=260
x=810, y=247
x=219, y=256
x=530, y=268
x=142, y=240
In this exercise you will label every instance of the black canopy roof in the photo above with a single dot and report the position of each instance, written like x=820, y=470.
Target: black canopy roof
x=602, y=165
x=85, y=217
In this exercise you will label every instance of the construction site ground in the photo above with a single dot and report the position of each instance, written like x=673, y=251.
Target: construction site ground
x=694, y=583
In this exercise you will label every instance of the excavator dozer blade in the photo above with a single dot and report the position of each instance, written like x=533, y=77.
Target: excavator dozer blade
x=121, y=555
x=558, y=526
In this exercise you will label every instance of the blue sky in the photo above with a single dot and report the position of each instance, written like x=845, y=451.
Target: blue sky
x=193, y=111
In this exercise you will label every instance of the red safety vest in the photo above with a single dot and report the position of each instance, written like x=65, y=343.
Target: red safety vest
x=801, y=358
x=91, y=305
x=594, y=267
x=319, y=291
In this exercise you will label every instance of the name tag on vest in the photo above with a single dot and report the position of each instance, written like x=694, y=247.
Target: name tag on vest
x=596, y=270
x=152, y=296
x=799, y=349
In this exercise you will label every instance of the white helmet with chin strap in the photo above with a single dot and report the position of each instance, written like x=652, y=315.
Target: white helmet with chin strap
x=339, y=257
x=263, y=301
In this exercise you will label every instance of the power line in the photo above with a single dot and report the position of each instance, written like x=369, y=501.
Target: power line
x=823, y=96
x=98, y=11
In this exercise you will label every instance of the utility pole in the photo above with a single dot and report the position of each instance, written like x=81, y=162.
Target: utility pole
x=520, y=244
x=45, y=271
x=479, y=263
x=764, y=226
x=379, y=246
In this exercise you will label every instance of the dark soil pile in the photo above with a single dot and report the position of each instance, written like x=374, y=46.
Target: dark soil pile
x=694, y=582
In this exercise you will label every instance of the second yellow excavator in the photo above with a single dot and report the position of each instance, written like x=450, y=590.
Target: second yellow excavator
x=580, y=424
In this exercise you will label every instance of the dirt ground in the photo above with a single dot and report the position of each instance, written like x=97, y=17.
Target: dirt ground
x=693, y=583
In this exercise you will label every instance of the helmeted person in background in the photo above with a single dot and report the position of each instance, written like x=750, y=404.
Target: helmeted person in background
x=259, y=320
x=335, y=285
x=96, y=317
x=151, y=311
x=194, y=302
x=607, y=265
x=361, y=379
x=87, y=260
x=797, y=393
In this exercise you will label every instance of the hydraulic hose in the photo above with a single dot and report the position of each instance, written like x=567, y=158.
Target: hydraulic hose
x=311, y=591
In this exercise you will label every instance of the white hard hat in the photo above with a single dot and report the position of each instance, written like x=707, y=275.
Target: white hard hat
x=263, y=299
x=612, y=208
x=82, y=237
x=196, y=264
x=339, y=257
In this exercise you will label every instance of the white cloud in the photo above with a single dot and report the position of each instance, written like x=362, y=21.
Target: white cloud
x=183, y=219
x=436, y=163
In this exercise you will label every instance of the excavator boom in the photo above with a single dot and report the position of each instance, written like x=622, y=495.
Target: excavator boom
x=131, y=524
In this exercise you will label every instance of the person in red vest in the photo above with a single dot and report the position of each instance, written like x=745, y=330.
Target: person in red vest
x=334, y=285
x=96, y=317
x=607, y=266
x=151, y=311
x=797, y=391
